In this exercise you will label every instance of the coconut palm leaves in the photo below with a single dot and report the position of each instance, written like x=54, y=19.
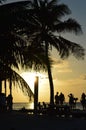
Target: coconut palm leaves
x=70, y=25
x=6, y=72
x=14, y=49
x=9, y=40
x=15, y=46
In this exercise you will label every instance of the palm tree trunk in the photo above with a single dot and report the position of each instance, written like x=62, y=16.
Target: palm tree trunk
x=50, y=78
x=51, y=84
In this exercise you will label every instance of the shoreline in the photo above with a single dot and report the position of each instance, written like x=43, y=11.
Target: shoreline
x=30, y=105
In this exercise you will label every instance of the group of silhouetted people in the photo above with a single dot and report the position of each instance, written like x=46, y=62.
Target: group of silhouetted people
x=41, y=105
x=5, y=102
x=60, y=98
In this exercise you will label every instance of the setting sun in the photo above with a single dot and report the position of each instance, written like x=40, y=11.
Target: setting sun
x=30, y=78
x=43, y=84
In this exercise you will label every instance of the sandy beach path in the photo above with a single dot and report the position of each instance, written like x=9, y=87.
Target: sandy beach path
x=20, y=121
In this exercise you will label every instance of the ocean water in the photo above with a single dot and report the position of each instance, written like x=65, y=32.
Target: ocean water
x=30, y=105
x=19, y=105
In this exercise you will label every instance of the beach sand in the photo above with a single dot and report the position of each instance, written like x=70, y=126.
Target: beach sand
x=21, y=121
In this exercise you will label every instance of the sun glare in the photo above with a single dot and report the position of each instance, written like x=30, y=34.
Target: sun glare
x=30, y=78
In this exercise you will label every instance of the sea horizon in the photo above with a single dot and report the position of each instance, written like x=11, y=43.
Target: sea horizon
x=30, y=105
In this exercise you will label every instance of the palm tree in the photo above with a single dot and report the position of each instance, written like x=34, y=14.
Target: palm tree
x=14, y=50
x=47, y=26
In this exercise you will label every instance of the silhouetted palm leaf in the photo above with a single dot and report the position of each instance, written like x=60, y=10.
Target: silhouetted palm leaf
x=70, y=25
x=17, y=80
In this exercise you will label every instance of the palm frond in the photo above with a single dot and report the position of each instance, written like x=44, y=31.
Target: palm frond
x=60, y=10
x=34, y=57
x=21, y=83
x=17, y=80
x=14, y=4
x=68, y=47
x=51, y=3
x=63, y=46
x=11, y=45
x=70, y=25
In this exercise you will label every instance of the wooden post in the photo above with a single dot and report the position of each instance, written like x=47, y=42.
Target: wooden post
x=10, y=86
x=5, y=87
x=36, y=94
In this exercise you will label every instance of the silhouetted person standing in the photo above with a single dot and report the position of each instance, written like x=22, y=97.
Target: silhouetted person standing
x=57, y=98
x=71, y=100
x=61, y=98
x=83, y=101
x=2, y=102
x=9, y=102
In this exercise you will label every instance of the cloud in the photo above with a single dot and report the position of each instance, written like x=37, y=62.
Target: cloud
x=71, y=83
x=62, y=66
x=64, y=71
x=83, y=76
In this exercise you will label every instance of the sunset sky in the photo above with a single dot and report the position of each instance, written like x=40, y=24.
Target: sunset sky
x=69, y=76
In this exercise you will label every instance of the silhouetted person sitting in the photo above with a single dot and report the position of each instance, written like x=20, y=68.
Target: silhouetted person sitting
x=44, y=105
x=75, y=100
x=9, y=102
x=83, y=101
